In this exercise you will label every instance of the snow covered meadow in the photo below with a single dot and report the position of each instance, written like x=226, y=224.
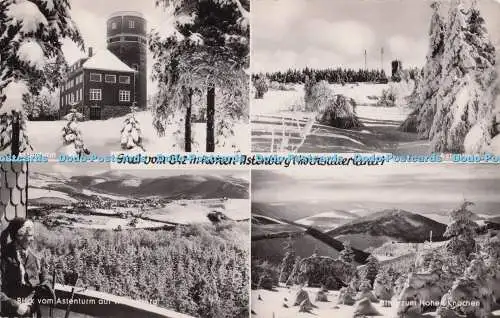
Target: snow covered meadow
x=282, y=111
x=104, y=137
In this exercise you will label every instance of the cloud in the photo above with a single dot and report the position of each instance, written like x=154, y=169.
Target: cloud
x=345, y=37
x=413, y=51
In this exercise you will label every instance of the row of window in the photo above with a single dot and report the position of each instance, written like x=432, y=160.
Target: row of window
x=128, y=39
x=131, y=25
x=122, y=79
x=96, y=95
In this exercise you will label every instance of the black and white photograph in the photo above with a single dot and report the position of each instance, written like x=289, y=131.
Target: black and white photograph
x=394, y=241
x=91, y=76
x=387, y=76
x=135, y=243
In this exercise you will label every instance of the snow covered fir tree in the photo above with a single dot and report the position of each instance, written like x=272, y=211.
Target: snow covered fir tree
x=131, y=136
x=31, y=37
x=72, y=136
x=206, y=55
x=457, y=107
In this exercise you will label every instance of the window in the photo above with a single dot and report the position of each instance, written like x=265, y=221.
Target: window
x=66, y=97
x=95, y=77
x=124, y=96
x=113, y=25
x=110, y=78
x=124, y=79
x=95, y=94
x=62, y=101
x=131, y=24
x=81, y=78
x=81, y=93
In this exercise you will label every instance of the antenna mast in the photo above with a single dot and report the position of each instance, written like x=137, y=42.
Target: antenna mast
x=366, y=66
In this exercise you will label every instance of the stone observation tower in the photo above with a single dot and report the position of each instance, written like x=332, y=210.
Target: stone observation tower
x=127, y=39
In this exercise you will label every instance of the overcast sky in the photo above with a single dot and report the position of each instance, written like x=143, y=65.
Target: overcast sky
x=389, y=186
x=331, y=33
x=91, y=16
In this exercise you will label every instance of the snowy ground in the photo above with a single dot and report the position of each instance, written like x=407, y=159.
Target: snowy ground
x=380, y=133
x=272, y=305
x=196, y=212
x=35, y=193
x=103, y=136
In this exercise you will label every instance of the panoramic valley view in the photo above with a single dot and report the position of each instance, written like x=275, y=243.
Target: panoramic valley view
x=396, y=241
x=162, y=242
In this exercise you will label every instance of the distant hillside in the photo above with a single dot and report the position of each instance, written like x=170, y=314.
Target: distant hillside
x=400, y=225
x=269, y=236
x=49, y=201
x=272, y=249
x=301, y=211
x=328, y=220
x=173, y=187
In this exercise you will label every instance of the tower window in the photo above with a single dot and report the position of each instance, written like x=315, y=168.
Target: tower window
x=113, y=26
x=95, y=77
x=124, y=96
x=95, y=94
x=131, y=24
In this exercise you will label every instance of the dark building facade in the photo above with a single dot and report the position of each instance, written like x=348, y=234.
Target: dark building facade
x=100, y=86
x=127, y=39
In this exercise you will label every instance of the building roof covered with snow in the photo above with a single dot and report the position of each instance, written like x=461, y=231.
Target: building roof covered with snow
x=105, y=60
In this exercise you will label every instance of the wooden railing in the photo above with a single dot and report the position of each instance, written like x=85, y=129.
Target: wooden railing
x=99, y=304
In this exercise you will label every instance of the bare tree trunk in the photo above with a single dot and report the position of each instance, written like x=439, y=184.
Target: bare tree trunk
x=211, y=119
x=16, y=132
x=187, y=121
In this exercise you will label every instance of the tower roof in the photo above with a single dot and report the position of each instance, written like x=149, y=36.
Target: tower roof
x=105, y=60
x=124, y=13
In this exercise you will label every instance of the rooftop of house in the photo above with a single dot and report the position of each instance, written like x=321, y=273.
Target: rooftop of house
x=106, y=61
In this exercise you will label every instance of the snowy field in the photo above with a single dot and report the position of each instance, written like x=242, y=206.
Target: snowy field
x=272, y=306
x=105, y=223
x=196, y=212
x=35, y=193
x=278, y=109
x=103, y=136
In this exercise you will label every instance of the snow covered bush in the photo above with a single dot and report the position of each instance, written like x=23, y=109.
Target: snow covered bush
x=372, y=269
x=388, y=98
x=462, y=231
x=72, y=136
x=365, y=291
x=44, y=106
x=332, y=110
x=288, y=262
x=471, y=295
x=382, y=287
x=347, y=296
x=323, y=271
x=347, y=254
x=260, y=87
x=131, y=136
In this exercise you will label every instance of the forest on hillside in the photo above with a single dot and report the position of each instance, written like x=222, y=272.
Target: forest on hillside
x=197, y=270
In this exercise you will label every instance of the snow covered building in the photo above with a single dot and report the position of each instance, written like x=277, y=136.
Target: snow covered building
x=100, y=86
